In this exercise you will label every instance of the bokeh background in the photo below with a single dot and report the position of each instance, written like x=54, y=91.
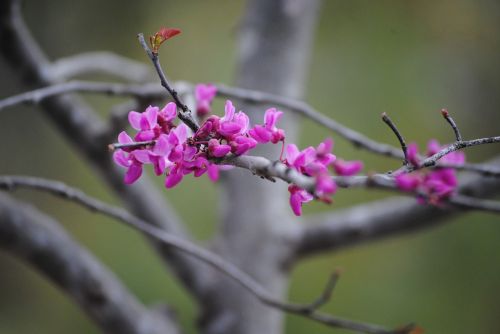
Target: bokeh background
x=408, y=58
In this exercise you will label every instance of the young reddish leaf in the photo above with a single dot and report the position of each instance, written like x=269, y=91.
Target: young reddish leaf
x=161, y=36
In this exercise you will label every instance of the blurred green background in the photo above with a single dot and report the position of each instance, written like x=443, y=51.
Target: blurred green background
x=408, y=58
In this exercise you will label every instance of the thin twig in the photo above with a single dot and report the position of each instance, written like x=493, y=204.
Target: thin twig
x=432, y=160
x=387, y=120
x=454, y=126
x=326, y=296
x=137, y=144
x=185, y=115
x=247, y=282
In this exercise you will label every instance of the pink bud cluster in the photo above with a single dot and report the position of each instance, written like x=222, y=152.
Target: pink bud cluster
x=315, y=162
x=175, y=151
x=434, y=185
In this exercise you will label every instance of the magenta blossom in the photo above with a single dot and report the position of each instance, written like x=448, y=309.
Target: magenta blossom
x=408, y=182
x=268, y=132
x=347, y=168
x=133, y=161
x=145, y=122
x=297, y=197
x=204, y=95
x=233, y=123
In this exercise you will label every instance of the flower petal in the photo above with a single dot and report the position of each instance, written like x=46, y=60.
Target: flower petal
x=133, y=173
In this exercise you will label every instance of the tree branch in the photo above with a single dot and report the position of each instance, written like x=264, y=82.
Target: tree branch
x=380, y=219
x=88, y=134
x=100, y=62
x=185, y=115
x=244, y=280
x=38, y=240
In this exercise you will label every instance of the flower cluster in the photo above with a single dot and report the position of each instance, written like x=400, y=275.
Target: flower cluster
x=434, y=185
x=174, y=151
x=315, y=162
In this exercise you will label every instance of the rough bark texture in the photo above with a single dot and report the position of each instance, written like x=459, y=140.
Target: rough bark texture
x=256, y=230
x=38, y=240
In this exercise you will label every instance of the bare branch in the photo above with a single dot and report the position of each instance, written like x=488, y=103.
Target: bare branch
x=38, y=240
x=100, y=62
x=398, y=134
x=452, y=123
x=247, y=282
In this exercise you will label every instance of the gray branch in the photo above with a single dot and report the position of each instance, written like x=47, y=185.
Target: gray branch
x=384, y=218
x=88, y=134
x=37, y=239
x=100, y=62
x=227, y=268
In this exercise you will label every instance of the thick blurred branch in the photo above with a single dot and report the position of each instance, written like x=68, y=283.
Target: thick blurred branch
x=227, y=268
x=100, y=62
x=81, y=127
x=37, y=239
x=380, y=219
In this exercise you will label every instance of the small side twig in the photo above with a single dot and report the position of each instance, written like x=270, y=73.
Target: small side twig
x=185, y=115
x=398, y=134
x=327, y=292
x=454, y=126
x=138, y=144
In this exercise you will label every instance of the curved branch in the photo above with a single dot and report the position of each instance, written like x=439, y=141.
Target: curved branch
x=38, y=240
x=247, y=282
x=100, y=62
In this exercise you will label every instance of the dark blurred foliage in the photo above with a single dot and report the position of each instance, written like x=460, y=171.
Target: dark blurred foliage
x=408, y=58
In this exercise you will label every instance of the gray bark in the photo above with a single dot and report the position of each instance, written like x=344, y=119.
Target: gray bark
x=257, y=230
x=38, y=240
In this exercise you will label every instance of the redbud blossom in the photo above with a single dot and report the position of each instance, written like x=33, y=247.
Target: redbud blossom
x=204, y=95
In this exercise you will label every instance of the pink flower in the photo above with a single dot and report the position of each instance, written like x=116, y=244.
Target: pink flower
x=233, y=123
x=347, y=168
x=408, y=182
x=325, y=186
x=209, y=127
x=242, y=144
x=217, y=149
x=268, y=131
x=297, y=197
x=412, y=154
x=145, y=122
x=166, y=116
x=133, y=161
x=204, y=95
x=324, y=152
x=299, y=159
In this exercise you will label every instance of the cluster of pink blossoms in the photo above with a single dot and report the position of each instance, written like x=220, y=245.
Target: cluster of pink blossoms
x=175, y=151
x=435, y=185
